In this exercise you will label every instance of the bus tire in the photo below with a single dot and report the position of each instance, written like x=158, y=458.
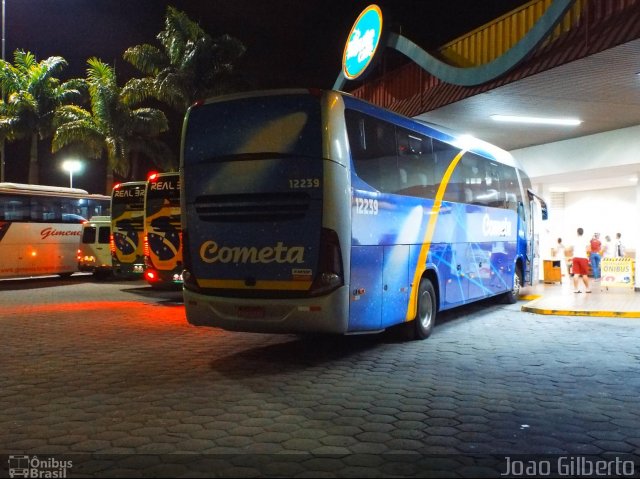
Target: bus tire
x=511, y=297
x=427, y=308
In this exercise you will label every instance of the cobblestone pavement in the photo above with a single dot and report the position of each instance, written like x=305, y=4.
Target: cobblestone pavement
x=111, y=377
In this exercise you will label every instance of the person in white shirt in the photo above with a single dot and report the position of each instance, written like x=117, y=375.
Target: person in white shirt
x=559, y=255
x=608, y=248
x=619, y=247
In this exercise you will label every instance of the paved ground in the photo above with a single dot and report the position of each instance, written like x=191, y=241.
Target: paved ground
x=110, y=377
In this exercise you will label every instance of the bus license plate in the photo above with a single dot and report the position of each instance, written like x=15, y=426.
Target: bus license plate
x=252, y=312
x=138, y=268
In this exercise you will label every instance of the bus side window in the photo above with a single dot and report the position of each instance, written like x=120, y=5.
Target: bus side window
x=16, y=208
x=416, y=164
x=483, y=184
x=510, y=187
x=444, y=154
x=46, y=209
x=493, y=184
x=373, y=151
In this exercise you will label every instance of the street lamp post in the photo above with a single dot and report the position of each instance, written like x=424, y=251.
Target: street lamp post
x=72, y=166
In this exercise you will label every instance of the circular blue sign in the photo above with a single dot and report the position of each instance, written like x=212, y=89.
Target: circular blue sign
x=362, y=43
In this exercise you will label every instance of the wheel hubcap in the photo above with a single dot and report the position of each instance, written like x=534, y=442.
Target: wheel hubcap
x=426, y=309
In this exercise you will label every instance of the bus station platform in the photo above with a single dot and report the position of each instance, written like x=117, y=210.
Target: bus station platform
x=559, y=299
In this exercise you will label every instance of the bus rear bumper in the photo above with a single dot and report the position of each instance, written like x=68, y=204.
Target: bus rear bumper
x=324, y=314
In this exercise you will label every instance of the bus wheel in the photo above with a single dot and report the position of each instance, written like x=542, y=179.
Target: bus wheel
x=511, y=297
x=426, y=316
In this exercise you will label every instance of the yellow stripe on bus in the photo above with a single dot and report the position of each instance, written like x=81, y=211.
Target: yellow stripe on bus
x=265, y=285
x=412, y=308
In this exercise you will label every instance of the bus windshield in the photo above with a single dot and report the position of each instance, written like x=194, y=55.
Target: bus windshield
x=270, y=125
x=127, y=198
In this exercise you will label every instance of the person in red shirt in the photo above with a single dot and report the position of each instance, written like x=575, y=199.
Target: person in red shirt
x=580, y=262
x=595, y=247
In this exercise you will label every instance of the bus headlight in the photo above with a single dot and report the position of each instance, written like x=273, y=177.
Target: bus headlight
x=330, y=279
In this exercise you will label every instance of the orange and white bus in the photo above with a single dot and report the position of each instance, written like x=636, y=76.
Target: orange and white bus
x=40, y=228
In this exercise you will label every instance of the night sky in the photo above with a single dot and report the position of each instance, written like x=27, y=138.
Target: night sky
x=290, y=43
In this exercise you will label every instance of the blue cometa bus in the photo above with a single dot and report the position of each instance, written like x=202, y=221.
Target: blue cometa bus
x=315, y=211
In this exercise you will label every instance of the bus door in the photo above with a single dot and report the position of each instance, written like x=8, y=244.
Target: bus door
x=366, y=288
x=379, y=286
x=537, y=212
x=476, y=263
x=395, y=284
x=457, y=282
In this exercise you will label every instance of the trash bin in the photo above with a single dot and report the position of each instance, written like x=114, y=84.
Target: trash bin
x=552, y=273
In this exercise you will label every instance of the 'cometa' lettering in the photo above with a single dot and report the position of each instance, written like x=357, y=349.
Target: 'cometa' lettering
x=495, y=227
x=210, y=252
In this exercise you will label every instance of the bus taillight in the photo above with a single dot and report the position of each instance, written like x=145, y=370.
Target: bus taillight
x=145, y=248
x=150, y=276
x=112, y=244
x=330, y=274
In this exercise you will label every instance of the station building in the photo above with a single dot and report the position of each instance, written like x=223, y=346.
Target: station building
x=549, y=59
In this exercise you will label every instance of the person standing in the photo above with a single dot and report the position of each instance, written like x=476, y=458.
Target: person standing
x=595, y=247
x=580, y=262
x=608, y=248
x=559, y=254
x=619, y=246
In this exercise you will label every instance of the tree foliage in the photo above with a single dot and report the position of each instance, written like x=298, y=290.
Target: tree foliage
x=33, y=94
x=96, y=116
x=112, y=126
x=189, y=64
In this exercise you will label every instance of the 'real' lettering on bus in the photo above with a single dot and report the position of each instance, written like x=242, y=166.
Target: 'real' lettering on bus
x=128, y=193
x=165, y=185
x=210, y=252
x=495, y=227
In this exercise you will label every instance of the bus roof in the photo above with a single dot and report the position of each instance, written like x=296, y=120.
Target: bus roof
x=20, y=187
x=456, y=138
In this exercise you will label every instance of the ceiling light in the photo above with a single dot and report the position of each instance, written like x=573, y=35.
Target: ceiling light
x=537, y=120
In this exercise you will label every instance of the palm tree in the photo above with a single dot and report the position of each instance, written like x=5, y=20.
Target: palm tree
x=112, y=126
x=33, y=94
x=191, y=64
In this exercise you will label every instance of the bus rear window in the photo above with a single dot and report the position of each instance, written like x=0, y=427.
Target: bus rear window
x=103, y=234
x=89, y=235
x=278, y=124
